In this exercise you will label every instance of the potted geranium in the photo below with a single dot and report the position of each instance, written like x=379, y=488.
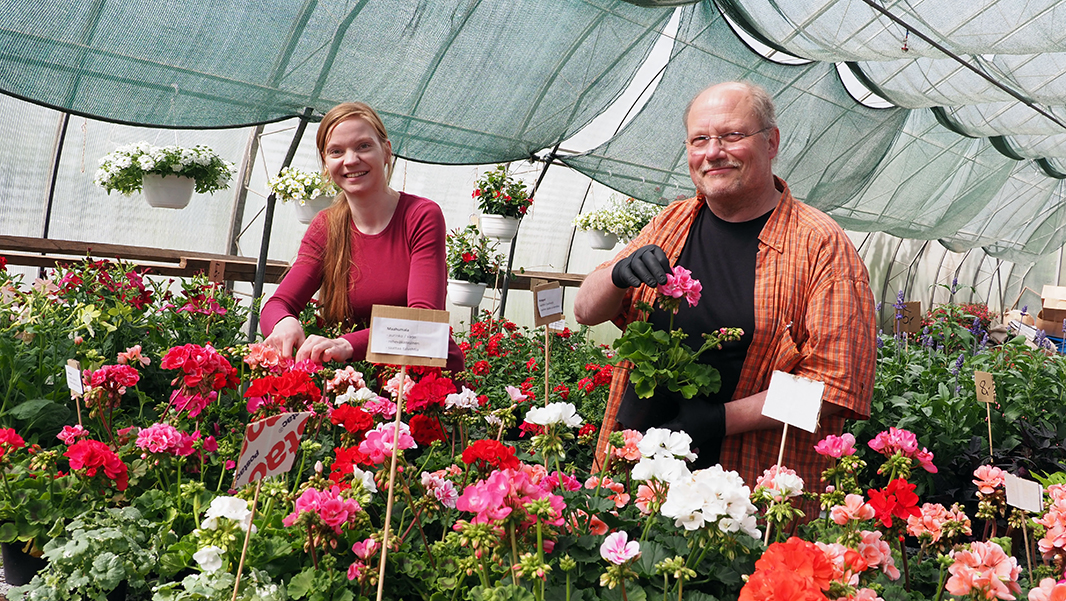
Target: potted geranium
x=307, y=189
x=620, y=219
x=472, y=263
x=503, y=201
x=167, y=174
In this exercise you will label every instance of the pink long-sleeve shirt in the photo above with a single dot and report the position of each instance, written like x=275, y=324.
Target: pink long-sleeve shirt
x=403, y=265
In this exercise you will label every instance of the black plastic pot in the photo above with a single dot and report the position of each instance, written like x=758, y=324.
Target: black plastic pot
x=20, y=567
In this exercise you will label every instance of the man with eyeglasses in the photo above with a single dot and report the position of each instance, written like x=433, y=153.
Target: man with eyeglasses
x=782, y=271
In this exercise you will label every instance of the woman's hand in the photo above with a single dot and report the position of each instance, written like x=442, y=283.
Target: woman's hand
x=320, y=349
x=288, y=335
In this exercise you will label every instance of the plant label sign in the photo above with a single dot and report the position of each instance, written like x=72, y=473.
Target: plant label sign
x=557, y=326
x=794, y=400
x=548, y=303
x=1024, y=494
x=986, y=388
x=270, y=447
x=407, y=336
x=910, y=321
x=74, y=383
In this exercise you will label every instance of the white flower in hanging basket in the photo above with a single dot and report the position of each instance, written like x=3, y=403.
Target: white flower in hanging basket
x=622, y=217
x=124, y=169
x=300, y=186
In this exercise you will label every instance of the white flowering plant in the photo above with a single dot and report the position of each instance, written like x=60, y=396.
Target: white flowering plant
x=123, y=169
x=300, y=186
x=621, y=217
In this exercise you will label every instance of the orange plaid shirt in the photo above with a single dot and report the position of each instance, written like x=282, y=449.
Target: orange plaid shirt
x=813, y=318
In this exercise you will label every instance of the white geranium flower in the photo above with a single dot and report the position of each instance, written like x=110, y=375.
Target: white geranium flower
x=227, y=507
x=711, y=497
x=209, y=558
x=555, y=413
x=347, y=396
x=467, y=399
x=666, y=443
x=664, y=469
x=366, y=478
x=364, y=394
x=494, y=421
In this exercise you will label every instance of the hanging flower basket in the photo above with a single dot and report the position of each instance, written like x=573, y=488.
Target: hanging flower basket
x=465, y=294
x=308, y=190
x=601, y=240
x=129, y=169
x=498, y=227
x=172, y=192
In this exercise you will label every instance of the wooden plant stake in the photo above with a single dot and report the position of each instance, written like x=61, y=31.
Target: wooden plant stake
x=392, y=480
x=780, y=458
x=1028, y=497
x=547, y=354
x=986, y=393
x=77, y=388
x=247, y=537
x=547, y=308
x=404, y=336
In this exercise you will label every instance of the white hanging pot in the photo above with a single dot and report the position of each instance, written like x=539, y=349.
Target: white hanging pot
x=306, y=212
x=499, y=227
x=465, y=294
x=170, y=192
x=602, y=240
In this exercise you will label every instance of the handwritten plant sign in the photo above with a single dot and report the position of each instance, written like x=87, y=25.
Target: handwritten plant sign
x=910, y=321
x=270, y=447
x=406, y=336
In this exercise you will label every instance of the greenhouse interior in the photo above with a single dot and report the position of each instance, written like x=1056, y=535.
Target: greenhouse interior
x=932, y=132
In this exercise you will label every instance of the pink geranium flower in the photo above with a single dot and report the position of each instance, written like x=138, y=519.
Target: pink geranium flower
x=894, y=440
x=159, y=438
x=988, y=478
x=618, y=549
x=133, y=355
x=70, y=434
x=836, y=446
x=366, y=549
x=984, y=569
x=679, y=283
x=854, y=508
x=379, y=441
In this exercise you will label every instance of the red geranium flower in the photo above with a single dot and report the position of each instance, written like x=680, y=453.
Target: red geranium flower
x=795, y=569
x=432, y=390
x=92, y=455
x=347, y=459
x=897, y=500
x=354, y=419
x=9, y=440
x=490, y=452
x=426, y=430
x=480, y=368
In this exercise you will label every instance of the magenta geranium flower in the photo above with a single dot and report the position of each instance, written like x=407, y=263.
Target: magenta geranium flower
x=894, y=440
x=836, y=446
x=680, y=283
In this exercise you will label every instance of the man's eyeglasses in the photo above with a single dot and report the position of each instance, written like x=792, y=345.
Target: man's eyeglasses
x=729, y=139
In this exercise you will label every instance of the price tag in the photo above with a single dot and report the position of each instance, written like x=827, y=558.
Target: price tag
x=406, y=336
x=986, y=388
x=1024, y=494
x=547, y=303
x=77, y=387
x=911, y=321
x=794, y=400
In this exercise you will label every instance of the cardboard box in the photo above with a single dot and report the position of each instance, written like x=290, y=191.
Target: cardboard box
x=1050, y=320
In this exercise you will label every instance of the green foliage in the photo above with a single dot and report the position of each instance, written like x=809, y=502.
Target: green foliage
x=662, y=359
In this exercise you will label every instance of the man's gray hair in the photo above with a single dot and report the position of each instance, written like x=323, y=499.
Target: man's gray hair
x=761, y=102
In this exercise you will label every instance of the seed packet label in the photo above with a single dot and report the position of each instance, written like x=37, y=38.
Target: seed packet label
x=794, y=400
x=986, y=388
x=74, y=382
x=910, y=321
x=1024, y=494
x=407, y=336
x=270, y=447
x=548, y=303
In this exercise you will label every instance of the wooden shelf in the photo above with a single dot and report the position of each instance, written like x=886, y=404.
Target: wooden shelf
x=42, y=252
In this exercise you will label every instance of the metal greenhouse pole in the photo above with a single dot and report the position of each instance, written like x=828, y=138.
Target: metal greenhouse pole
x=268, y=224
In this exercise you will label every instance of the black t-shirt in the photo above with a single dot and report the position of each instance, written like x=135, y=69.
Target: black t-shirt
x=721, y=255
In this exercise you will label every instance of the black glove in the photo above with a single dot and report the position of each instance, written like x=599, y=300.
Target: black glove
x=647, y=265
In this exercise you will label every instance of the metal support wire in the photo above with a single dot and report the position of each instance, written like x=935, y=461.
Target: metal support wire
x=1015, y=94
x=514, y=241
x=268, y=224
